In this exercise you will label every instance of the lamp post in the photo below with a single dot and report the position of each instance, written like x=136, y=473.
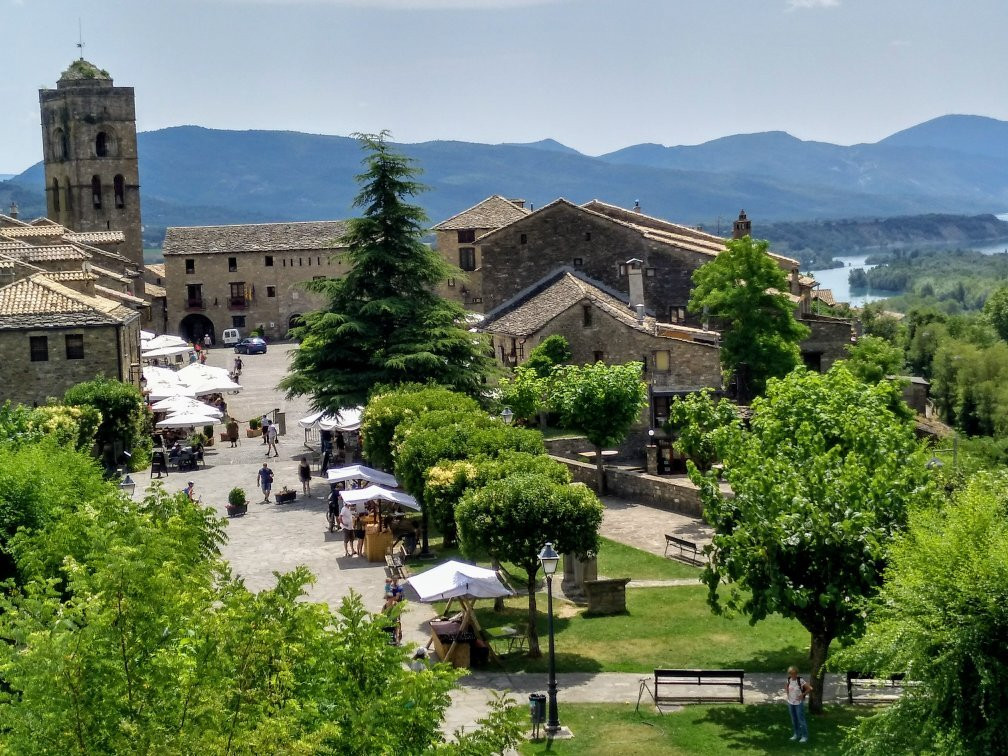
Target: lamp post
x=550, y=559
x=507, y=416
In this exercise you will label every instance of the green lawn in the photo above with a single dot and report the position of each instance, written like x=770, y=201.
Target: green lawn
x=710, y=730
x=663, y=627
x=617, y=560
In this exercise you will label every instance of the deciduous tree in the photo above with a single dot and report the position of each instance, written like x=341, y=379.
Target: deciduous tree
x=745, y=289
x=694, y=419
x=821, y=483
x=872, y=358
x=383, y=324
x=512, y=518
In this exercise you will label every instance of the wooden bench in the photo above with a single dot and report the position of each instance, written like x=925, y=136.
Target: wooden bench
x=879, y=689
x=395, y=564
x=685, y=546
x=668, y=684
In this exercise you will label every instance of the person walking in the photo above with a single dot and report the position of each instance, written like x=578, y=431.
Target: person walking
x=207, y=341
x=264, y=424
x=346, y=519
x=265, y=480
x=332, y=515
x=271, y=439
x=232, y=432
x=796, y=691
x=304, y=473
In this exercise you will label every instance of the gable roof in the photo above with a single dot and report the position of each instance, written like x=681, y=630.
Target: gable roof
x=493, y=212
x=39, y=302
x=532, y=309
x=254, y=237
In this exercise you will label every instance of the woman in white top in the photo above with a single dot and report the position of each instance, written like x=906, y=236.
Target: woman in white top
x=796, y=690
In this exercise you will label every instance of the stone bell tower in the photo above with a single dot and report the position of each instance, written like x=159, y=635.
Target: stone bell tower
x=89, y=148
x=742, y=227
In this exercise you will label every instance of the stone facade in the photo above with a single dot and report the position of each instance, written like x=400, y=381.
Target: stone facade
x=828, y=341
x=220, y=277
x=89, y=149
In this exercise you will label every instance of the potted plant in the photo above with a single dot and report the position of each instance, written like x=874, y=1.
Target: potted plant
x=237, y=506
x=254, y=427
x=208, y=435
x=285, y=495
x=197, y=439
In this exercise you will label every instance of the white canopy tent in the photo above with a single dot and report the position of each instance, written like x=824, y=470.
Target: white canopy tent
x=168, y=351
x=457, y=580
x=347, y=420
x=361, y=472
x=356, y=496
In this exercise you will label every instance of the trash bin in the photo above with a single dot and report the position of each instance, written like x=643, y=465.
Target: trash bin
x=537, y=708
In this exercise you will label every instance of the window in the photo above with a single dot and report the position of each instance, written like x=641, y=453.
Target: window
x=55, y=195
x=119, y=190
x=662, y=362
x=586, y=315
x=300, y=261
x=237, y=321
x=578, y=262
x=60, y=146
x=318, y=260
x=190, y=265
x=271, y=291
x=69, y=194
x=194, y=295
x=466, y=235
x=677, y=314
x=75, y=346
x=649, y=272
x=269, y=261
x=476, y=300
x=587, y=235
x=285, y=262
x=523, y=239
x=622, y=269
x=39, y=348
x=237, y=298
x=467, y=258
x=232, y=264
x=96, y=192
x=451, y=283
x=598, y=356
x=101, y=144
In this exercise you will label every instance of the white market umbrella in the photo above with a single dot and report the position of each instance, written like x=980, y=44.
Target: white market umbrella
x=215, y=386
x=194, y=374
x=457, y=580
x=187, y=420
x=371, y=493
x=167, y=351
x=157, y=390
x=361, y=472
x=165, y=341
x=146, y=335
x=345, y=420
x=179, y=403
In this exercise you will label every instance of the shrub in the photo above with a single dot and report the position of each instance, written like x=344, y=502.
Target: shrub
x=236, y=497
x=254, y=423
x=125, y=418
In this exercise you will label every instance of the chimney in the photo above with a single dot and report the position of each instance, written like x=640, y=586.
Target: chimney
x=741, y=227
x=636, y=206
x=517, y=202
x=635, y=272
x=13, y=210
x=640, y=313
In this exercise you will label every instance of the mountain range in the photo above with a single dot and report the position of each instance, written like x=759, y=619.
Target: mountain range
x=192, y=175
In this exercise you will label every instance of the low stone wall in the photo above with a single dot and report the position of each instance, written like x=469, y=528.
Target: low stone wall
x=671, y=494
x=606, y=596
x=567, y=447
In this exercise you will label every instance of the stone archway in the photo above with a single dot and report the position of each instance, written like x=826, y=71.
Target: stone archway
x=293, y=321
x=195, y=326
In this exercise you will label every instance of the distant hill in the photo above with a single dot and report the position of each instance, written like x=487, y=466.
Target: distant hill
x=192, y=175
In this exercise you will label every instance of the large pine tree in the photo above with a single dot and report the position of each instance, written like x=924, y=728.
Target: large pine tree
x=384, y=325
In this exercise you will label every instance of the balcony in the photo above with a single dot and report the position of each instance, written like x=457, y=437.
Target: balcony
x=195, y=303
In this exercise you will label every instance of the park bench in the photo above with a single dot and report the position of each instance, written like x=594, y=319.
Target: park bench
x=395, y=564
x=723, y=685
x=875, y=689
x=687, y=549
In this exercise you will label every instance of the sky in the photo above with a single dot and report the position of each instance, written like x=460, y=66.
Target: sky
x=596, y=75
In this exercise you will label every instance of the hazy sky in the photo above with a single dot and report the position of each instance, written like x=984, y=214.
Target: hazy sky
x=594, y=74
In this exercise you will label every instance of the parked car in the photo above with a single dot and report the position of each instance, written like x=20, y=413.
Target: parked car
x=251, y=345
x=231, y=336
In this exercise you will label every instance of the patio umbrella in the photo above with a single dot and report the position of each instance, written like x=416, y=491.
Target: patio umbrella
x=361, y=472
x=166, y=351
x=165, y=341
x=146, y=335
x=187, y=420
x=178, y=403
x=157, y=390
x=371, y=493
x=195, y=373
x=215, y=386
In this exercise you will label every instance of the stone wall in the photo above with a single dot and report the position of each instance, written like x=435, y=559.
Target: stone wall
x=563, y=234
x=284, y=276
x=828, y=340
x=107, y=351
x=466, y=287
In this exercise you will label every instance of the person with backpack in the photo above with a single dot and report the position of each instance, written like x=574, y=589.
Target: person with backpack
x=796, y=689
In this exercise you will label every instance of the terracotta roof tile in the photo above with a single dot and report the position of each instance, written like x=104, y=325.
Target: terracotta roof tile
x=256, y=237
x=153, y=290
x=107, y=293
x=493, y=212
x=158, y=269
x=71, y=275
x=26, y=232
x=96, y=237
x=39, y=302
x=825, y=296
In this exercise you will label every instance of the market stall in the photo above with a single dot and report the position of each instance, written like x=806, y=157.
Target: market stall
x=457, y=638
x=361, y=473
x=378, y=539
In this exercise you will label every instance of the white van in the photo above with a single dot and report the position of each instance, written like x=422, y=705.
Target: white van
x=231, y=336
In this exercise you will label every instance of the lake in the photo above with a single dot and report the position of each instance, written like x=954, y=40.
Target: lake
x=836, y=278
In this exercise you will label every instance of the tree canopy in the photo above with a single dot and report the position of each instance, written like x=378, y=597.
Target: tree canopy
x=694, y=419
x=552, y=351
x=872, y=358
x=383, y=324
x=125, y=418
x=822, y=481
x=941, y=618
x=745, y=289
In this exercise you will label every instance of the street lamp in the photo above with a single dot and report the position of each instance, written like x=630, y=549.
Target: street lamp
x=127, y=486
x=507, y=416
x=550, y=559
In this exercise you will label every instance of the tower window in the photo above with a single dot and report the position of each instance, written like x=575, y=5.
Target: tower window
x=96, y=192
x=55, y=195
x=69, y=194
x=578, y=262
x=190, y=265
x=467, y=258
x=119, y=188
x=59, y=145
x=271, y=291
x=101, y=144
x=232, y=264
x=75, y=346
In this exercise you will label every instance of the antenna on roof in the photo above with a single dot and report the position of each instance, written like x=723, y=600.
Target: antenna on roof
x=80, y=37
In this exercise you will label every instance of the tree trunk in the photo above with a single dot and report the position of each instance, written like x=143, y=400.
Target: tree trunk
x=599, y=472
x=817, y=660
x=499, y=601
x=533, y=634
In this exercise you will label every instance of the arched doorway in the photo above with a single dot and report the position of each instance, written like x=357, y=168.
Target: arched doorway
x=194, y=327
x=294, y=321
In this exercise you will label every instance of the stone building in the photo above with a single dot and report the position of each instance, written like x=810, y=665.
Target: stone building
x=456, y=242
x=602, y=324
x=54, y=334
x=89, y=149
x=244, y=276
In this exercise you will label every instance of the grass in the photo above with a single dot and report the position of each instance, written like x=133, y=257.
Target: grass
x=618, y=560
x=663, y=627
x=710, y=730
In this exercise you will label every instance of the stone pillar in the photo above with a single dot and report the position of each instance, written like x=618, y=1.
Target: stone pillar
x=569, y=584
x=651, y=463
